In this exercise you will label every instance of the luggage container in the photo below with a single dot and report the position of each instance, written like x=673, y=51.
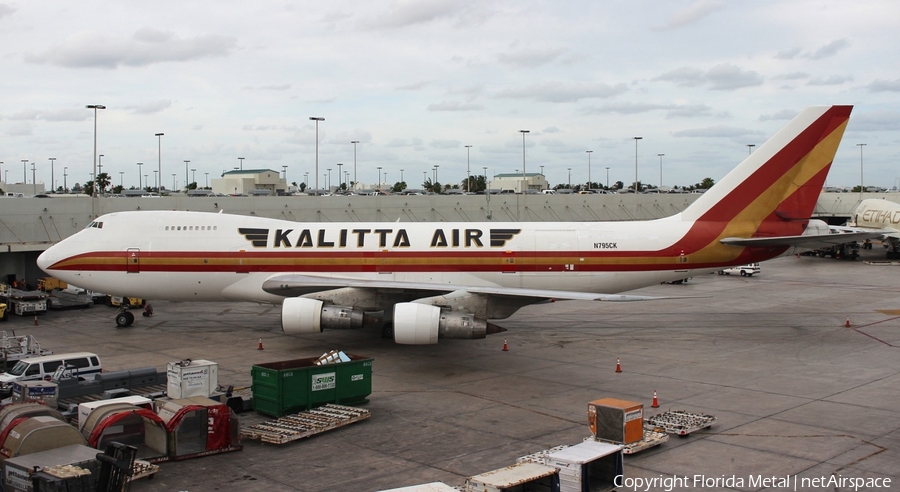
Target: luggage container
x=85, y=409
x=17, y=411
x=198, y=426
x=590, y=466
x=614, y=420
x=17, y=472
x=36, y=434
x=129, y=425
x=290, y=386
x=188, y=378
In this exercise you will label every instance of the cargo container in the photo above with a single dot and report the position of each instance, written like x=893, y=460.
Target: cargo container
x=189, y=378
x=45, y=392
x=198, y=426
x=17, y=471
x=36, y=434
x=290, y=386
x=614, y=420
x=589, y=466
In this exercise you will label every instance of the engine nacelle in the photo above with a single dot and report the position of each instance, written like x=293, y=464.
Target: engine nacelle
x=303, y=315
x=423, y=324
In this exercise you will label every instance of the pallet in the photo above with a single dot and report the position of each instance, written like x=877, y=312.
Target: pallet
x=680, y=422
x=651, y=439
x=141, y=469
x=304, y=424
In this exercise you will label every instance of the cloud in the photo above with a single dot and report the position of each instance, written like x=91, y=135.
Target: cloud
x=454, y=106
x=876, y=121
x=146, y=47
x=411, y=12
x=626, y=108
x=6, y=10
x=884, y=86
x=728, y=77
x=692, y=13
x=784, y=115
x=551, y=129
x=445, y=144
x=565, y=92
x=792, y=76
x=829, y=49
x=150, y=107
x=416, y=86
x=826, y=51
x=684, y=76
x=67, y=114
x=718, y=131
x=19, y=129
x=832, y=80
x=690, y=111
x=530, y=58
x=279, y=87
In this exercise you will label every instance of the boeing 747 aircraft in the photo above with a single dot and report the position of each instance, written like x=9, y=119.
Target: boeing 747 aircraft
x=448, y=279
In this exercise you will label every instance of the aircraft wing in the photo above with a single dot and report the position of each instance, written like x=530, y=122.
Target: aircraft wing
x=813, y=241
x=881, y=233
x=290, y=285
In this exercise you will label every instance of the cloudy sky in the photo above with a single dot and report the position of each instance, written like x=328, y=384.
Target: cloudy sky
x=415, y=82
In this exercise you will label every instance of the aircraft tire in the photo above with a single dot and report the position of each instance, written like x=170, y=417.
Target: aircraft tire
x=124, y=319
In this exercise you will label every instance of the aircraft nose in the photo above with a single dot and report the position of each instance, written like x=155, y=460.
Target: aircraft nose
x=47, y=259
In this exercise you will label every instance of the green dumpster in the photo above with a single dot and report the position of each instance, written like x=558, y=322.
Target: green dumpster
x=291, y=386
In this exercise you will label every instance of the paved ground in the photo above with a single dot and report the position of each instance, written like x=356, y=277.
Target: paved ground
x=796, y=393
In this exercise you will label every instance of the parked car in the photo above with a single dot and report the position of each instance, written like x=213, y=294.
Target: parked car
x=747, y=270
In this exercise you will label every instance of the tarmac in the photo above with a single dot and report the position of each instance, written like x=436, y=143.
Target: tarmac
x=797, y=394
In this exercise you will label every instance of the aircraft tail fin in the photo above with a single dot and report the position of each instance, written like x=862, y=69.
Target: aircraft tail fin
x=773, y=192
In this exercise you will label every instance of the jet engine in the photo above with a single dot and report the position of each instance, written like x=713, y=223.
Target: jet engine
x=423, y=324
x=303, y=315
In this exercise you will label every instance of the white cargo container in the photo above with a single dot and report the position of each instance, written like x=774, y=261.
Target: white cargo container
x=189, y=378
x=85, y=409
x=521, y=476
x=590, y=465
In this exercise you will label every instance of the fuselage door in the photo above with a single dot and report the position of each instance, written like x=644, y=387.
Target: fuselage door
x=133, y=260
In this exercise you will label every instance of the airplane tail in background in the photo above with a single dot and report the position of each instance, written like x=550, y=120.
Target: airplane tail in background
x=773, y=192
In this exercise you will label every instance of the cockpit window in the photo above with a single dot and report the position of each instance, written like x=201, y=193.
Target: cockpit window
x=95, y=224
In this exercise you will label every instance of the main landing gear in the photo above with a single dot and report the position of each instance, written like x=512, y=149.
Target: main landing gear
x=125, y=318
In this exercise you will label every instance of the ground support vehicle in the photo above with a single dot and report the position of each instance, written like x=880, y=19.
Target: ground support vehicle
x=745, y=270
x=680, y=422
x=23, y=302
x=13, y=348
x=846, y=251
x=69, y=298
x=304, y=424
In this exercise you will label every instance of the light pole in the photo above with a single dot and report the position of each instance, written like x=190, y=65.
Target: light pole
x=635, y=164
x=436, y=166
x=468, y=172
x=65, y=175
x=121, y=178
x=33, y=180
x=24, y=171
x=95, y=107
x=660, y=169
x=424, y=177
x=589, y=152
x=328, y=183
x=139, y=164
x=486, y=190
x=193, y=175
x=860, y=145
x=99, y=165
x=524, y=184
x=157, y=181
x=207, y=180
x=354, y=142
x=317, y=119
x=306, y=178
x=750, y=148
x=340, y=175
x=401, y=175
x=607, y=178
x=570, y=178
x=379, y=178
x=186, y=173
x=284, y=172
x=52, y=178
x=242, y=162
x=174, y=184
x=159, y=162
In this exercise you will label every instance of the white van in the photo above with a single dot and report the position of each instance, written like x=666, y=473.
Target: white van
x=84, y=364
x=549, y=192
x=747, y=270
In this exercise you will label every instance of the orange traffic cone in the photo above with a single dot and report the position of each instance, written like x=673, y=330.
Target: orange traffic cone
x=35, y=320
x=505, y=346
x=847, y=323
x=618, y=365
x=260, y=347
x=655, y=401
